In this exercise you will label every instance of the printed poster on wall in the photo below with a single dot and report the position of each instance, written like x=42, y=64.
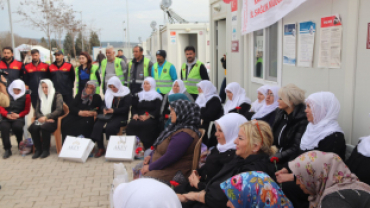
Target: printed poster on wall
x=259, y=14
x=306, y=42
x=289, y=47
x=234, y=19
x=330, y=42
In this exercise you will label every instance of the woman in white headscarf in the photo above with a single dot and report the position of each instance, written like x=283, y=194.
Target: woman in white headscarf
x=237, y=101
x=261, y=95
x=210, y=108
x=145, y=193
x=49, y=107
x=115, y=113
x=359, y=160
x=227, y=131
x=13, y=116
x=145, y=112
x=268, y=110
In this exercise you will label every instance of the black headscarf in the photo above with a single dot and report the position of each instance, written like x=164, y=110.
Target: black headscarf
x=187, y=117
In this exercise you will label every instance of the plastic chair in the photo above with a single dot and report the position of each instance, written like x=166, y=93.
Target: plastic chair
x=197, y=150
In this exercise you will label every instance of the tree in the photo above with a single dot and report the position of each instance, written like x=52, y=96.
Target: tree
x=94, y=39
x=68, y=45
x=54, y=44
x=78, y=44
x=44, y=43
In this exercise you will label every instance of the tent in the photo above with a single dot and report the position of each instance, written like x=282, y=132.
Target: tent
x=44, y=53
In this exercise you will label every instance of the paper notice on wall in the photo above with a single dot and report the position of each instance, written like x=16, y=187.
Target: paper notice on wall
x=330, y=42
x=289, y=47
x=234, y=20
x=173, y=39
x=306, y=42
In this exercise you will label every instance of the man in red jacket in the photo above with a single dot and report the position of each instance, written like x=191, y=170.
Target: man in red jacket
x=14, y=68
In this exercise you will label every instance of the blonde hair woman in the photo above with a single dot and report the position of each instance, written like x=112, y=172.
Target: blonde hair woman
x=253, y=149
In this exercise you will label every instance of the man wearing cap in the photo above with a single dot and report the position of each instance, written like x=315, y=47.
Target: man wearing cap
x=164, y=73
x=62, y=75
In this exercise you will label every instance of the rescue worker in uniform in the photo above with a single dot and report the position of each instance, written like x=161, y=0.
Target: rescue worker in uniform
x=164, y=73
x=87, y=72
x=110, y=67
x=14, y=68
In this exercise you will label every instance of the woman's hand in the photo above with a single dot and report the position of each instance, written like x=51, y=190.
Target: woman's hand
x=145, y=169
x=15, y=115
x=110, y=110
x=281, y=178
x=282, y=171
x=191, y=196
x=83, y=113
x=194, y=179
x=10, y=116
x=147, y=160
x=182, y=198
x=42, y=119
x=135, y=117
x=144, y=117
x=50, y=121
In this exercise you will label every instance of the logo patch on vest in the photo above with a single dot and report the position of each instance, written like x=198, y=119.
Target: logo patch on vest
x=42, y=69
x=145, y=66
x=64, y=69
x=164, y=70
x=156, y=70
x=14, y=67
x=117, y=66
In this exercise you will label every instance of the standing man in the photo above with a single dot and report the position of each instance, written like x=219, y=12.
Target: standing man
x=100, y=57
x=138, y=69
x=121, y=56
x=164, y=73
x=62, y=75
x=14, y=68
x=192, y=72
x=112, y=66
x=34, y=72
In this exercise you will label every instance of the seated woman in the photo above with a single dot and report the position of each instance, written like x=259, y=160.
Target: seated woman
x=261, y=94
x=253, y=149
x=290, y=122
x=145, y=114
x=173, y=98
x=13, y=116
x=227, y=131
x=329, y=182
x=268, y=110
x=254, y=189
x=87, y=72
x=360, y=159
x=82, y=112
x=237, y=101
x=174, y=148
x=49, y=107
x=210, y=109
x=116, y=109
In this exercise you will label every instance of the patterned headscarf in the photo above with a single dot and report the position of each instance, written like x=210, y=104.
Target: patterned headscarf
x=324, y=173
x=254, y=189
x=87, y=98
x=187, y=117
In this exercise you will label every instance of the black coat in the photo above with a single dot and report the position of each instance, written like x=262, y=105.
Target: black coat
x=358, y=164
x=288, y=131
x=269, y=118
x=244, y=109
x=121, y=107
x=211, y=112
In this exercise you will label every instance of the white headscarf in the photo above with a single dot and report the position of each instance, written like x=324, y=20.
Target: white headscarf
x=109, y=94
x=238, y=97
x=209, y=91
x=325, y=108
x=17, y=84
x=230, y=124
x=256, y=105
x=364, y=146
x=145, y=193
x=266, y=109
x=46, y=102
x=152, y=94
x=181, y=85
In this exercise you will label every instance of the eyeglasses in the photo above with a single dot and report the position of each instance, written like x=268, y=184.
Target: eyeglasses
x=255, y=122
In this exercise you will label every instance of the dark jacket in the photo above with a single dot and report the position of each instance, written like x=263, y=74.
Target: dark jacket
x=211, y=112
x=358, y=164
x=137, y=75
x=269, y=118
x=63, y=77
x=77, y=105
x=33, y=74
x=244, y=109
x=20, y=106
x=142, y=107
x=15, y=69
x=121, y=107
x=288, y=131
x=56, y=108
x=82, y=83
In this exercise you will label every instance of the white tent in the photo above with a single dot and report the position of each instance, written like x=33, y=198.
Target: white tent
x=44, y=53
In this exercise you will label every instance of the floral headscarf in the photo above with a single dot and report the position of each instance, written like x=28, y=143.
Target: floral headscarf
x=324, y=173
x=254, y=189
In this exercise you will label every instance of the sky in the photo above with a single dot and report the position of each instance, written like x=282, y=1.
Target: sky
x=108, y=15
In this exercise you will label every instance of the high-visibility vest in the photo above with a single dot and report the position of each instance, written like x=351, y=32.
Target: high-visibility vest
x=193, y=78
x=163, y=82
x=146, y=71
x=93, y=77
x=117, y=67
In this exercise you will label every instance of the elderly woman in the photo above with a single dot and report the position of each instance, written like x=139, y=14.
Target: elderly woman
x=49, y=107
x=237, y=101
x=268, y=110
x=328, y=181
x=13, y=116
x=254, y=189
x=82, y=112
x=253, y=149
x=227, y=131
x=173, y=98
x=290, y=122
x=210, y=108
x=174, y=148
x=145, y=113
x=116, y=109
x=86, y=72
x=359, y=160
x=261, y=94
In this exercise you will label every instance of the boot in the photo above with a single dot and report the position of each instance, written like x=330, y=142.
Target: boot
x=100, y=153
x=7, y=154
x=37, y=154
x=45, y=154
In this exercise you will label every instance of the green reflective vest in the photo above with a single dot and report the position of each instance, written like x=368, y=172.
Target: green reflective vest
x=163, y=82
x=93, y=77
x=193, y=78
x=117, y=67
x=146, y=70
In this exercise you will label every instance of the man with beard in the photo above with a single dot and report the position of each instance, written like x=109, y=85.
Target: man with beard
x=14, y=68
x=34, y=72
x=192, y=72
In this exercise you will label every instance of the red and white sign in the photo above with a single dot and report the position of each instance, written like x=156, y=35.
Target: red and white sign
x=368, y=37
x=235, y=46
x=330, y=21
x=259, y=14
x=234, y=5
x=227, y=1
x=173, y=33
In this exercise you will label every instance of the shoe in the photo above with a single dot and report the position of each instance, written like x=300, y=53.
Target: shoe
x=100, y=153
x=92, y=153
x=7, y=154
x=37, y=154
x=45, y=154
